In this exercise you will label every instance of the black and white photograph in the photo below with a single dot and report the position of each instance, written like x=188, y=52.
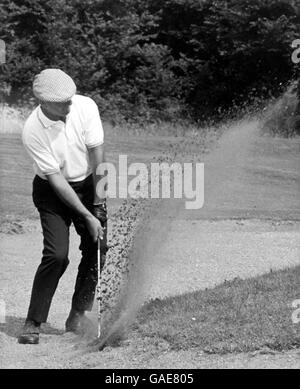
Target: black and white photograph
x=149, y=187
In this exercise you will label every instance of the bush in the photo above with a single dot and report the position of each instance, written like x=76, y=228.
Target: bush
x=147, y=60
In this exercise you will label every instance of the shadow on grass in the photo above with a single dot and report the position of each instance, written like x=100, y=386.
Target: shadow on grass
x=13, y=327
x=236, y=316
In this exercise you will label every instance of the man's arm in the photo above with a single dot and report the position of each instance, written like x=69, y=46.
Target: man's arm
x=97, y=156
x=66, y=193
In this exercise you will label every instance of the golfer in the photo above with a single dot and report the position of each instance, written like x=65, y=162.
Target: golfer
x=64, y=138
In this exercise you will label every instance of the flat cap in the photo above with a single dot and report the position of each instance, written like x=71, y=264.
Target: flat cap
x=53, y=85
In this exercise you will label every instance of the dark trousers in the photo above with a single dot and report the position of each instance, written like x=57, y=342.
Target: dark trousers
x=56, y=219
x=297, y=116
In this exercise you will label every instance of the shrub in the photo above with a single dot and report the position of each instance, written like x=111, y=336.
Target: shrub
x=148, y=60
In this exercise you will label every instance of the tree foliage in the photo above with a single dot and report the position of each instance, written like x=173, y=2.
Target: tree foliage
x=150, y=58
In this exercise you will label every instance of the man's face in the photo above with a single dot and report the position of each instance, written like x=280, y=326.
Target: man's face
x=60, y=110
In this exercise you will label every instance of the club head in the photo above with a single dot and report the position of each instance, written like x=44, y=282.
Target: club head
x=97, y=344
x=101, y=346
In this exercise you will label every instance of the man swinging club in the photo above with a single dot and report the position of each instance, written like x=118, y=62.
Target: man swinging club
x=64, y=137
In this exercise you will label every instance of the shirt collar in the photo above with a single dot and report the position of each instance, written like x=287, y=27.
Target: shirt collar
x=44, y=120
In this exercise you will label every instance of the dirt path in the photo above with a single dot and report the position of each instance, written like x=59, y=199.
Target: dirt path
x=248, y=225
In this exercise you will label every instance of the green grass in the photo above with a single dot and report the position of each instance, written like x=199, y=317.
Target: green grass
x=237, y=316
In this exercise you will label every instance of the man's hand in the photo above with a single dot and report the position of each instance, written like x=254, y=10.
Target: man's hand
x=100, y=212
x=66, y=193
x=94, y=227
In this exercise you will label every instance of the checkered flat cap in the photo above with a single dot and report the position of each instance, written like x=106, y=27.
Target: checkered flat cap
x=53, y=85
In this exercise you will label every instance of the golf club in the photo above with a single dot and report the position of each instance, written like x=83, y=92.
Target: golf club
x=99, y=287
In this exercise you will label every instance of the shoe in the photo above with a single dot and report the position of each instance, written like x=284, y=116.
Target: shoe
x=30, y=334
x=73, y=321
x=78, y=323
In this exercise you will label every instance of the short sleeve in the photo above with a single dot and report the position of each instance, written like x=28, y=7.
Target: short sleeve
x=41, y=156
x=93, y=130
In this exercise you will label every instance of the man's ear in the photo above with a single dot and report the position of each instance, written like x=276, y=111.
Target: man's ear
x=46, y=105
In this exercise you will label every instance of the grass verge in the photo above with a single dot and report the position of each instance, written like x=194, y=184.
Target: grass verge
x=237, y=316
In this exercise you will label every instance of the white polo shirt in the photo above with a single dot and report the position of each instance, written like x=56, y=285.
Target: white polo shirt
x=57, y=146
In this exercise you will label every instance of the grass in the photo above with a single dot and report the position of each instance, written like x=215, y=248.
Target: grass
x=12, y=119
x=237, y=316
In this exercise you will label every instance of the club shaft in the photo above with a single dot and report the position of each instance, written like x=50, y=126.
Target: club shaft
x=99, y=286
